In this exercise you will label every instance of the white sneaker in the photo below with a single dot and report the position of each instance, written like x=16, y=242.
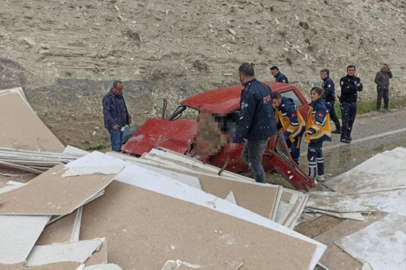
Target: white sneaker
x=321, y=178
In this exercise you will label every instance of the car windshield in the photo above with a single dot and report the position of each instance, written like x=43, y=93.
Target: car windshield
x=291, y=94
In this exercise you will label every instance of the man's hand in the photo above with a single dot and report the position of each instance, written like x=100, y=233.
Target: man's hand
x=116, y=127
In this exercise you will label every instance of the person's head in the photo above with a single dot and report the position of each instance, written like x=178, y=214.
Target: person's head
x=385, y=68
x=246, y=72
x=316, y=93
x=274, y=70
x=351, y=70
x=118, y=87
x=276, y=99
x=324, y=73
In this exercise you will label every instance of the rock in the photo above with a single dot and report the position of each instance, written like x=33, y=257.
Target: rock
x=44, y=46
x=29, y=41
x=232, y=31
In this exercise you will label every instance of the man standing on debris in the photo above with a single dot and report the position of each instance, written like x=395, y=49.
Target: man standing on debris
x=279, y=76
x=256, y=123
x=382, y=86
x=291, y=123
x=116, y=115
x=350, y=86
x=330, y=97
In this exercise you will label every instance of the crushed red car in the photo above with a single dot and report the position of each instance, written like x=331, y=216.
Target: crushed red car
x=178, y=134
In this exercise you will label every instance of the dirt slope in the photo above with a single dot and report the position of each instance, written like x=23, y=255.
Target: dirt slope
x=66, y=53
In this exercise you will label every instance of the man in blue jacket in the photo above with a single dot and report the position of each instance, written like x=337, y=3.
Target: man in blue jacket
x=256, y=123
x=279, y=76
x=116, y=115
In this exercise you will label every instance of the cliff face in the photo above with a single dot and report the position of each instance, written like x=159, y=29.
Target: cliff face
x=67, y=53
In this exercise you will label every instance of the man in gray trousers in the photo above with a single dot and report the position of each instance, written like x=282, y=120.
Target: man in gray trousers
x=382, y=85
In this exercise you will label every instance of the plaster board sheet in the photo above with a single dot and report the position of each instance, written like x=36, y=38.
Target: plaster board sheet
x=19, y=167
x=184, y=178
x=182, y=229
x=98, y=257
x=109, y=266
x=18, y=235
x=294, y=214
x=231, y=198
x=382, y=171
x=282, y=212
x=50, y=194
x=59, y=231
x=55, y=218
x=353, y=216
x=7, y=188
x=260, y=199
x=65, y=252
x=335, y=257
x=74, y=151
x=381, y=244
x=148, y=180
x=336, y=202
x=89, y=170
x=176, y=157
x=297, y=201
x=393, y=201
x=28, y=131
x=52, y=266
x=169, y=166
x=76, y=225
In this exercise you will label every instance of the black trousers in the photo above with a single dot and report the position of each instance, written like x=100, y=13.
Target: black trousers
x=333, y=115
x=382, y=93
x=348, y=113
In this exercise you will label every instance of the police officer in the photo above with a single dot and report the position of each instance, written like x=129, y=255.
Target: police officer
x=279, y=76
x=257, y=123
x=350, y=86
x=291, y=123
x=330, y=97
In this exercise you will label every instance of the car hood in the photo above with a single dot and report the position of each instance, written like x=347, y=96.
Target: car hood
x=173, y=135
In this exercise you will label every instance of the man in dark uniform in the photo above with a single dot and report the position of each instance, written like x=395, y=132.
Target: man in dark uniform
x=256, y=124
x=279, y=76
x=350, y=86
x=116, y=115
x=330, y=97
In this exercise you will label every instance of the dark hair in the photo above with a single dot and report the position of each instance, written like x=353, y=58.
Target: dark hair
x=326, y=71
x=351, y=66
x=117, y=82
x=318, y=90
x=247, y=69
x=276, y=95
x=274, y=68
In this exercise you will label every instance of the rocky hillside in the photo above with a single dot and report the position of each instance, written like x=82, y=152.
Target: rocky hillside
x=66, y=53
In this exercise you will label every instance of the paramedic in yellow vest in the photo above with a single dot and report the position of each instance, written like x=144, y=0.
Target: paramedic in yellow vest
x=318, y=130
x=291, y=123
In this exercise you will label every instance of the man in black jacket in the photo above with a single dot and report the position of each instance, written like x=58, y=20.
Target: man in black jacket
x=256, y=123
x=330, y=97
x=382, y=86
x=279, y=76
x=350, y=86
x=116, y=115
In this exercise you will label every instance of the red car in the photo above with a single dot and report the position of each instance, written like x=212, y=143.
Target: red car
x=177, y=134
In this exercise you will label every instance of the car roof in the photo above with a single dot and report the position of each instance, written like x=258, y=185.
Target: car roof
x=226, y=99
